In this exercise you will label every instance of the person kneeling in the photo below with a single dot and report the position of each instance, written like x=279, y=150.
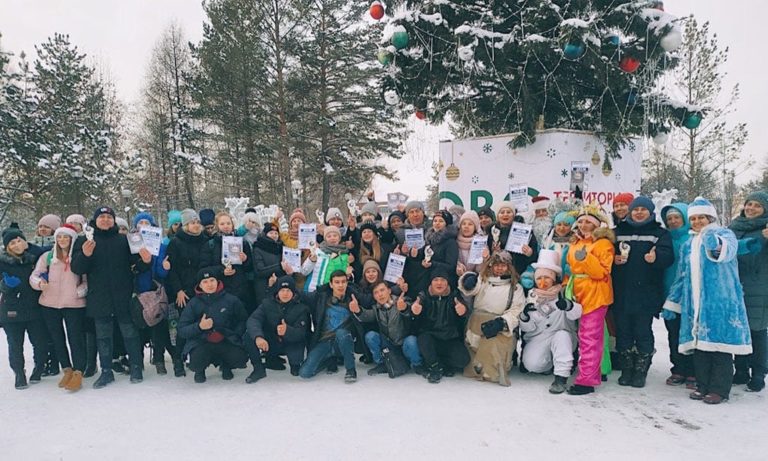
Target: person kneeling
x=213, y=323
x=440, y=320
x=548, y=323
x=394, y=335
x=279, y=326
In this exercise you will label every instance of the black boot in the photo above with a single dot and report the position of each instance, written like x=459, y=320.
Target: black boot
x=90, y=355
x=200, y=376
x=255, y=376
x=107, y=376
x=741, y=376
x=295, y=370
x=273, y=363
x=37, y=374
x=178, y=368
x=558, y=385
x=160, y=368
x=757, y=382
x=377, y=370
x=642, y=363
x=136, y=375
x=627, y=361
x=21, y=380
x=350, y=376
x=226, y=374
x=434, y=374
x=578, y=389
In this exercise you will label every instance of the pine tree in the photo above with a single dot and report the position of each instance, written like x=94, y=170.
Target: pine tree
x=505, y=67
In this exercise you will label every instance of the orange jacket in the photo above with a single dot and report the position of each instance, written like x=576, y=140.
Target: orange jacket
x=595, y=290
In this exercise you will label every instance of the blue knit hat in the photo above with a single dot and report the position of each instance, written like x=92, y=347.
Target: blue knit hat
x=207, y=216
x=174, y=217
x=143, y=216
x=701, y=206
x=642, y=201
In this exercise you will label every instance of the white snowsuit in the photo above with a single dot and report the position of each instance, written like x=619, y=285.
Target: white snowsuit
x=550, y=337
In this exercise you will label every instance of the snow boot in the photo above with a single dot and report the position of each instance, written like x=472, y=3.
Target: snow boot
x=578, y=389
x=627, y=361
x=21, y=380
x=106, y=377
x=160, y=368
x=295, y=370
x=273, y=363
x=741, y=376
x=226, y=374
x=714, y=399
x=75, y=382
x=558, y=386
x=642, y=363
x=65, y=379
x=378, y=370
x=757, y=382
x=332, y=367
x=351, y=376
x=200, y=377
x=255, y=376
x=36, y=376
x=675, y=380
x=178, y=369
x=434, y=374
x=90, y=355
x=136, y=375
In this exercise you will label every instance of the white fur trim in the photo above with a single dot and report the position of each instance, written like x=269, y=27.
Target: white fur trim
x=708, y=210
x=695, y=281
x=738, y=349
x=672, y=306
x=723, y=251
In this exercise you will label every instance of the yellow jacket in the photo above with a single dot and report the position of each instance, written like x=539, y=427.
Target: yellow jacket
x=592, y=285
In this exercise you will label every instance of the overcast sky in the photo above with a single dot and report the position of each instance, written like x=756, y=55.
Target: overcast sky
x=122, y=33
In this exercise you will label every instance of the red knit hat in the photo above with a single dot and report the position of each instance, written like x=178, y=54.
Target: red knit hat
x=540, y=202
x=624, y=197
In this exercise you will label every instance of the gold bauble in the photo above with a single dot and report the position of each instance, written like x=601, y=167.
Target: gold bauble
x=452, y=173
x=595, y=158
x=607, y=170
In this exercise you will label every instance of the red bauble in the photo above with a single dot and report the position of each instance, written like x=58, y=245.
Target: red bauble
x=377, y=10
x=421, y=115
x=629, y=64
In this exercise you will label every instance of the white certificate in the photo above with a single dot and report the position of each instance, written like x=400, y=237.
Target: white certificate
x=479, y=243
x=153, y=238
x=519, y=235
x=231, y=247
x=518, y=195
x=307, y=233
x=292, y=256
x=414, y=238
x=135, y=242
x=395, y=266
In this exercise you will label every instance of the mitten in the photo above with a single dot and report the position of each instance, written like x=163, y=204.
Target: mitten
x=469, y=281
x=491, y=328
x=563, y=304
x=11, y=281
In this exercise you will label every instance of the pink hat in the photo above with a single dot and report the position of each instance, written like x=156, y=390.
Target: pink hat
x=297, y=213
x=50, y=220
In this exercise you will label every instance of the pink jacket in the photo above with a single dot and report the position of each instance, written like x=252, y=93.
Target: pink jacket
x=65, y=288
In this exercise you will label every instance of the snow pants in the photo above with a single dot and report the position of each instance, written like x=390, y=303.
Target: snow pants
x=543, y=353
x=681, y=364
x=591, y=346
x=714, y=372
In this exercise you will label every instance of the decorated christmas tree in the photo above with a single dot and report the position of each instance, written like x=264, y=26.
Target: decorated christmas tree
x=504, y=66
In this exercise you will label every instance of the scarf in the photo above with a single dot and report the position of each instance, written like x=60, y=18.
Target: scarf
x=632, y=223
x=550, y=294
x=465, y=243
x=744, y=224
x=331, y=249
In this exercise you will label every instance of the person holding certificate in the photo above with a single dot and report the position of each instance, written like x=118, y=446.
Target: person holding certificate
x=469, y=240
x=267, y=260
x=234, y=268
x=497, y=240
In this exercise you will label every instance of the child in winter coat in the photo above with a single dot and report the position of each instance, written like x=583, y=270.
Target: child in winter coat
x=63, y=301
x=490, y=336
x=213, y=324
x=19, y=309
x=709, y=298
x=548, y=323
x=331, y=256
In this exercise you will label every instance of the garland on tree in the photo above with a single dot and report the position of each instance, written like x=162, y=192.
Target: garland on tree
x=518, y=66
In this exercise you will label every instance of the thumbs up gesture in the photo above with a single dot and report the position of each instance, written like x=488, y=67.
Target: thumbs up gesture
x=354, y=307
x=166, y=264
x=282, y=328
x=401, y=304
x=650, y=257
x=461, y=309
x=416, y=308
x=206, y=323
x=272, y=279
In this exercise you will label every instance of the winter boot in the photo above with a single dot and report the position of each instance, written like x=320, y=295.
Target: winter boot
x=757, y=382
x=65, y=379
x=675, y=380
x=21, y=380
x=332, y=367
x=350, y=376
x=578, y=389
x=434, y=374
x=377, y=370
x=136, y=375
x=295, y=370
x=255, y=376
x=642, y=363
x=200, y=377
x=118, y=367
x=226, y=374
x=420, y=370
x=714, y=399
x=273, y=363
x=90, y=355
x=160, y=368
x=37, y=374
x=106, y=377
x=627, y=360
x=741, y=376
x=75, y=382
x=558, y=386
x=178, y=369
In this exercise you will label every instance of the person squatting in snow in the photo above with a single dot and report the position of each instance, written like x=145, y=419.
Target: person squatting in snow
x=80, y=290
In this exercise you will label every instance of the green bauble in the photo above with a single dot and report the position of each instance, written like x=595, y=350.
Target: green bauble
x=385, y=57
x=400, y=39
x=692, y=120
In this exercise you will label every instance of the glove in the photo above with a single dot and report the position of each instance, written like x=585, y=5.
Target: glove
x=525, y=316
x=493, y=327
x=564, y=304
x=11, y=281
x=749, y=246
x=526, y=282
x=667, y=314
x=469, y=281
x=710, y=241
x=44, y=276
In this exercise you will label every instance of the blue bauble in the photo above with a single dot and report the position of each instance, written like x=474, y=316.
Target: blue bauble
x=614, y=40
x=574, y=50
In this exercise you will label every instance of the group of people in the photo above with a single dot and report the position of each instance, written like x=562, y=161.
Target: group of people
x=579, y=298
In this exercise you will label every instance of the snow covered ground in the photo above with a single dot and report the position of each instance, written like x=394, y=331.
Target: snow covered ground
x=282, y=417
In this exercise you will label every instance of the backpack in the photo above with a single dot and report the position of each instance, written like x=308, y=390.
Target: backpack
x=395, y=361
x=149, y=308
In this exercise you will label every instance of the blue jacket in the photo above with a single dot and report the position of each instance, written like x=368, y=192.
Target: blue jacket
x=679, y=237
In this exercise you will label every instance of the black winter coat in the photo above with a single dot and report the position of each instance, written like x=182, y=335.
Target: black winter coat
x=753, y=271
x=110, y=272
x=210, y=260
x=520, y=261
x=318, y=302
x=357, y=266
x=184, y=254
x=228, y=316
x=266, y=260
x=272, y=312
x=19, y=304
x=637, y=285
x=439, y=318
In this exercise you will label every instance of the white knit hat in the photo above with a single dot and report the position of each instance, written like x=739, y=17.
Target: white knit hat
x=549, y=260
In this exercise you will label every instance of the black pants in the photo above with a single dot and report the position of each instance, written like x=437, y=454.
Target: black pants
x=758, y=359
x=161, y=342
x=681, y=364
x=293, y=351
x=448, y=353
x=714, y=372
x=74, y=319
x=38, y=336
x=633, y=330
x=225, y=354
x=105, y=335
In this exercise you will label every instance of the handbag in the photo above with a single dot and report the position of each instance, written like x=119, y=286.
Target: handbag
x=149, y=308
x=395, y=361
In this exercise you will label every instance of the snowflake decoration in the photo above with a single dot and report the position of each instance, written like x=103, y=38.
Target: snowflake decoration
x=632, y=147
x=618, y=176
x=487, y=148
x=551, y=153
x=475, y=179
x=736, y=323
x=564, y=172
x=511, y=176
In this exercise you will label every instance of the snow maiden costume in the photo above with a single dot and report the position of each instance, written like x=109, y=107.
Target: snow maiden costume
x=710, y=300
